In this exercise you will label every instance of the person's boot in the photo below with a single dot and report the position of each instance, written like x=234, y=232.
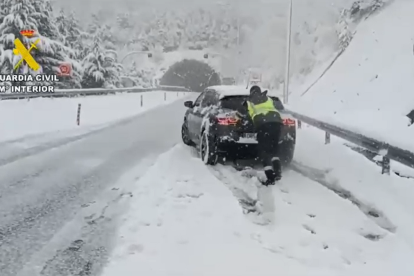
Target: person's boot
x=271, y=177
x=277, y=167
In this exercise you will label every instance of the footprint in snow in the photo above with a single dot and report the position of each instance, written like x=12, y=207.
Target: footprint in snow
x=87, y=204
x=306, y=227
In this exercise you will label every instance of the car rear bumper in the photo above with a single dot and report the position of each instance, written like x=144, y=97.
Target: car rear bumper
x=232, y=144
x=228, y=136
x=241, y=150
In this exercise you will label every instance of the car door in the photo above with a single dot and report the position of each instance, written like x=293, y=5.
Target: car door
x=191, y=118
x=208, y=102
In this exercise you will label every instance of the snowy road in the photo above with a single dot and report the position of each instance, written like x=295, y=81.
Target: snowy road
x=45, y=192
x=133, y=195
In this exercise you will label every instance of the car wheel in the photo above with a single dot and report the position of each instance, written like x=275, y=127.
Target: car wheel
x=287, y=151
x=208, y=149
x=185, y=136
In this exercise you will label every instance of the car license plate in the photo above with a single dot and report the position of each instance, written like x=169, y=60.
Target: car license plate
x=250, y=135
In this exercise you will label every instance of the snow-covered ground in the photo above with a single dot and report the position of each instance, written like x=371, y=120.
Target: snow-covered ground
x=53, y=118
x=335, y=214
x=370, y=87
x=339, y=216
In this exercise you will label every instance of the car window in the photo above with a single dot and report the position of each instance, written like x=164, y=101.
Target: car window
x=199, y=99
x=211, y=98
x=233, y=103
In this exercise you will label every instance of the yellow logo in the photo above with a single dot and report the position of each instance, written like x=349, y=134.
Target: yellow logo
x=25, y=53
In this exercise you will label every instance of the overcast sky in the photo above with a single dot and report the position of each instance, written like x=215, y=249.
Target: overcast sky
x=303, y=8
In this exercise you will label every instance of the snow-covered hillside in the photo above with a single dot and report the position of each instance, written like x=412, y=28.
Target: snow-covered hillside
x=249, y=34
x=370, y=87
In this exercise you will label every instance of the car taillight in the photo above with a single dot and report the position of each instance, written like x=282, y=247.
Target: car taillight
x=227, y=121
x=289, y=122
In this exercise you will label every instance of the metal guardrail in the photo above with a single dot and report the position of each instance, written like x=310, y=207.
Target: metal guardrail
x=63, y=93
x=388, y=151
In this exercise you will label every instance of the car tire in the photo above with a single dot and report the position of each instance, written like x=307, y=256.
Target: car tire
x=185, y=136
x=208, y=149
x=287, y=151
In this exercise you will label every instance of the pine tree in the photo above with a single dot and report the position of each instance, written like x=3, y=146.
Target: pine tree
x=17, y=17
x=2, y=11
x=3, y=68
x=93, y=26
x=344, y=33
x=139, y=77
x=101, y=68
x=123, y=21
x=50, y=53
x=45, y=19
x=71, y=32
x=97, y=29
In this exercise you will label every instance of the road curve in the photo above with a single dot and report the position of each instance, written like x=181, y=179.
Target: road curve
x=43, y=193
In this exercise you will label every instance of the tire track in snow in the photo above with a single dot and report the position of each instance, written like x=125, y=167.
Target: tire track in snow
x=372, y=213
x=302, y=210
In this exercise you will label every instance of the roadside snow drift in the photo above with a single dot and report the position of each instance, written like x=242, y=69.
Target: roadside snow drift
x=185, y=220
x=48, y=115
x=370, y=87
x=387, y=197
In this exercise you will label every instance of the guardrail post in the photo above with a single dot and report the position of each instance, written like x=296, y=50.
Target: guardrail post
x=299, y=124
x=327, y=138
x=78, y=116
x=142, y=100
x=386, y=166
x=165, y=96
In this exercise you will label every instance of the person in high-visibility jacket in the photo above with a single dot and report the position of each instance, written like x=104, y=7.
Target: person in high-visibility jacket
x=268, y=125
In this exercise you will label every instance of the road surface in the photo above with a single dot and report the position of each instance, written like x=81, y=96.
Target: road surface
x=56, y=200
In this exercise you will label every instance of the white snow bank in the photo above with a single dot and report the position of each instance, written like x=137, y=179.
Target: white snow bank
x=184, y=220
x=336, y=245
x=370, y=87
x=58, y=116
x=348, y=169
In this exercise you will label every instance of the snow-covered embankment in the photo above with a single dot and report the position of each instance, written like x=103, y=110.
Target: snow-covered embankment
x=56, y=117
x=370, y=87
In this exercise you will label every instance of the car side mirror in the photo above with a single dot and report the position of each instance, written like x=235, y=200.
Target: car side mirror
x=189, y=104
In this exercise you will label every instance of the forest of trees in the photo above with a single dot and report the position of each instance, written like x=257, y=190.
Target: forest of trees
x=93, y=49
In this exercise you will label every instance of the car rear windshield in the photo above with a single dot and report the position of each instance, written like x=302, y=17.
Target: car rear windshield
x=236, y=102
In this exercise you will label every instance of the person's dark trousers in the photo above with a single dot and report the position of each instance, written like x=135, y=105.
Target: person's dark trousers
x=268, y=135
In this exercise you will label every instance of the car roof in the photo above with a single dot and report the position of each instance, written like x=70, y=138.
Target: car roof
x=230, y=90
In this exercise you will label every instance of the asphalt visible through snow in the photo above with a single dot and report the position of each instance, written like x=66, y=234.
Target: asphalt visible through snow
x=57, y=208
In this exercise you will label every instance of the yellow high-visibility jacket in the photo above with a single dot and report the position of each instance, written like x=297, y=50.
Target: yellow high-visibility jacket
x=263, y=112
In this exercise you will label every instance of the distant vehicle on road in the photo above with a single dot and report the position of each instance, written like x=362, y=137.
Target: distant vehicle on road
x=212, y=125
